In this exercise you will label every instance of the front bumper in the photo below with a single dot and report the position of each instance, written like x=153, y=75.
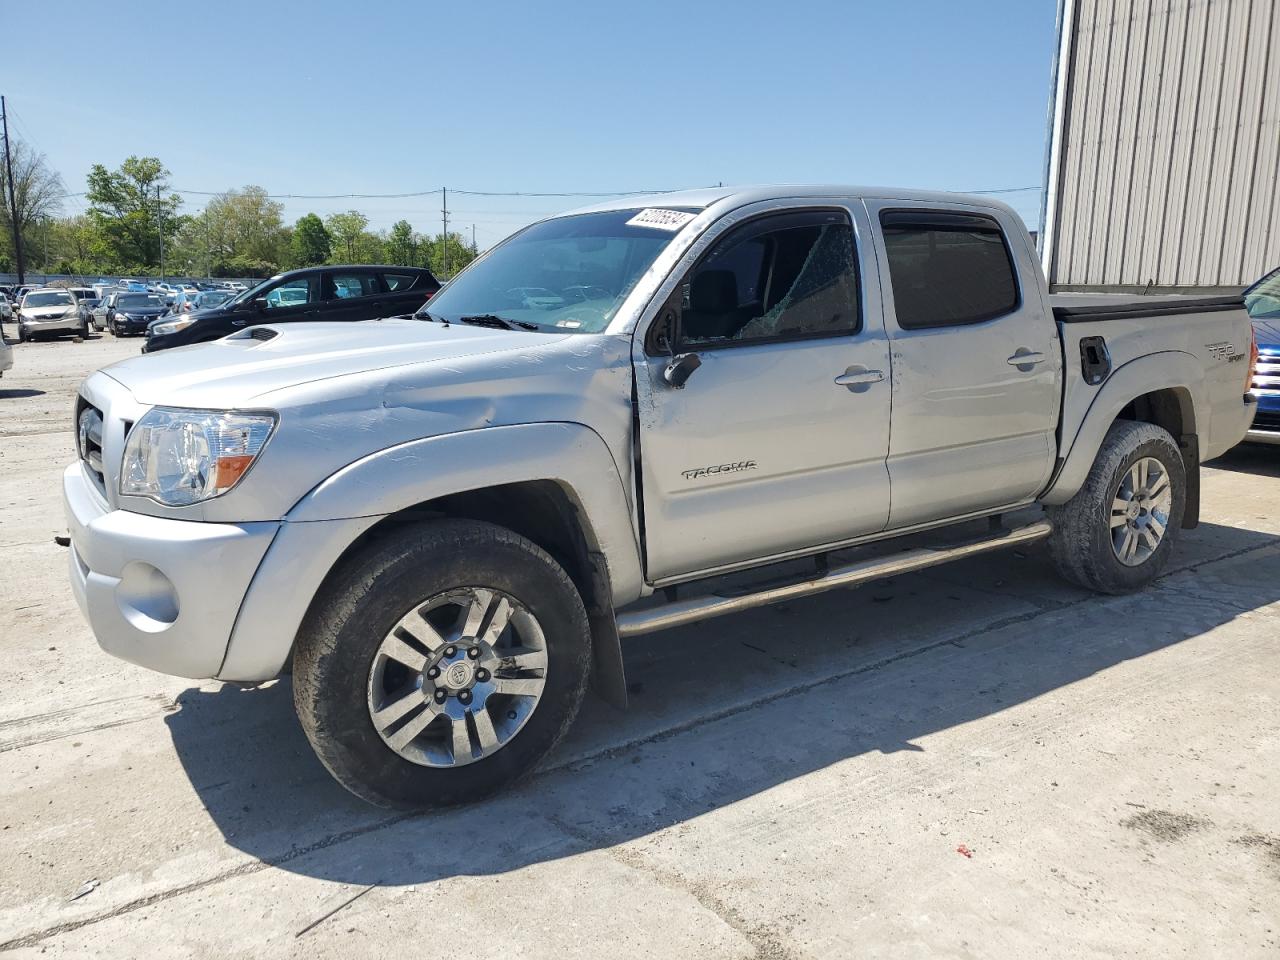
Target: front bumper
x=158, y=592
x=56, y=325
x=1265, y=427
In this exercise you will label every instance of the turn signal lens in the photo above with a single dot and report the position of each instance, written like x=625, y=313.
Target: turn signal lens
x=1253, y=359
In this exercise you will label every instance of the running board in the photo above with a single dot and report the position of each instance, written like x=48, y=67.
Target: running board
x=682, y=612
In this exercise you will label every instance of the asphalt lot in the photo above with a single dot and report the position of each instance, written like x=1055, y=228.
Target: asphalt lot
x=976, y=761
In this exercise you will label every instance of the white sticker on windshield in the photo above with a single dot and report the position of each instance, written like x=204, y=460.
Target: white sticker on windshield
x=671, y=220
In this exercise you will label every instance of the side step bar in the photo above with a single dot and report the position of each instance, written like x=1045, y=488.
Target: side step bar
x=682, y=612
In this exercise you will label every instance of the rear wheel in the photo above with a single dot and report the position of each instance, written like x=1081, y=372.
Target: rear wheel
x=1117, y=533
x=441, y=664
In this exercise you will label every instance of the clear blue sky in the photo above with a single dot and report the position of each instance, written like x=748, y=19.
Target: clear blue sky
x=375, y=97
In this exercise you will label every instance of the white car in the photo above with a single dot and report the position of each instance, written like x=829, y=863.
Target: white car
x=51, y=311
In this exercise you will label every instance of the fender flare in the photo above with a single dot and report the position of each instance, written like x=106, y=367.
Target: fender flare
x=333, y=515
x=1166, y=370
x=570, y=454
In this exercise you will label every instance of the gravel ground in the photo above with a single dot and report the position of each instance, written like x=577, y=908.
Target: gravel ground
x=976, y=761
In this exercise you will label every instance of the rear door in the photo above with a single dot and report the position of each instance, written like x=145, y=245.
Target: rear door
x=777, y=442
x=352, y=294
x=976, y=360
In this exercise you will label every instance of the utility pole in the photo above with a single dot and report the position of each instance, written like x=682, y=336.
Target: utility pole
x=444, y=210
x=160, y=230
x=13, y=204
x=474, y=251
x=208, y=267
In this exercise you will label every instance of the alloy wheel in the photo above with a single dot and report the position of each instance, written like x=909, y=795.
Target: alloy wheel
x=457, y=677
x=1140, y=511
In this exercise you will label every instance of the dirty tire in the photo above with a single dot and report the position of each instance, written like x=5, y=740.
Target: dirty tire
x=363, y=599
x=1081, y=545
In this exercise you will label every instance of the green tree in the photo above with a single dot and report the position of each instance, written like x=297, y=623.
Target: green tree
x=37, y=192
x=129, y=208
x=245, y=225
x=347, y=230
x=445, y=256
x=401, y=245
x=311, y=241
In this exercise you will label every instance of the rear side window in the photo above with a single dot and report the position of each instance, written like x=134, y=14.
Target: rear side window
x=399, y=281
x=947, y=269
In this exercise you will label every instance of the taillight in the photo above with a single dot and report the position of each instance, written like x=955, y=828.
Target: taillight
x=1253, y=359
x=431, y=293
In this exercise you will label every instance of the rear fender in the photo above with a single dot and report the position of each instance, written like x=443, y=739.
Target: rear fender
x=1171, y=369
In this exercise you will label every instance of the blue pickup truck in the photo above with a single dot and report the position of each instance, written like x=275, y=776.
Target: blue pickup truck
x=1262, y=300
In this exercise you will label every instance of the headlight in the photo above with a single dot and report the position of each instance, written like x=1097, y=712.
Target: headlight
x=70, y=312
x=173, y=326
x=177, y=457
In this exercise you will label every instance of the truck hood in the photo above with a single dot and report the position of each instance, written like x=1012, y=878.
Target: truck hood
x=239, y=370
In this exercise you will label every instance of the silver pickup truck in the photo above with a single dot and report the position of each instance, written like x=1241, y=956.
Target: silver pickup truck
x=444, y=524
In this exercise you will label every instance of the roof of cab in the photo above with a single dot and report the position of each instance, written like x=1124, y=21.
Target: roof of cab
x=743, y=195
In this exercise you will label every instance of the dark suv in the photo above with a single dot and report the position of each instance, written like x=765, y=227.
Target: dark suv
x=315, y=293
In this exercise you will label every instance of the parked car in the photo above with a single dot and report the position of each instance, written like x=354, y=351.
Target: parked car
x=315, y=293
x=208, y=299
x=6, y=309
x=444, y=524
x=129, y=313
x=1262, y=300
x=85, y=307
x=6, y=356
x=50, y=311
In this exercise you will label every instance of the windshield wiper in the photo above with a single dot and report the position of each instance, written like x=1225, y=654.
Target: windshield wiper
x=428, y=315
x=493, y=320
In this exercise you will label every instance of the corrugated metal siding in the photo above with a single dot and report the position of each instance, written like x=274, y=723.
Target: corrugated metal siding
x=1168, y=169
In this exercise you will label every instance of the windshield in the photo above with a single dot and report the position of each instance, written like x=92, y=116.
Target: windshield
x=569, y=274
x=211, y=299
x=137, y=302
x=1262, y=300
x=53, y=298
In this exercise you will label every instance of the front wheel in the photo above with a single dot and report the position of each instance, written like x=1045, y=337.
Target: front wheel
x=440, y=663
x=1116, y=534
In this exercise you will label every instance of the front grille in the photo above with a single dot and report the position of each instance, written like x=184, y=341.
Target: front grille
x=1266, y=378
x=89, y=441
x=1266, y=420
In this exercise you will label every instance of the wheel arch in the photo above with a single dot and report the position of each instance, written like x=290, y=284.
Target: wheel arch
x=1164, y=389
x=555, y=484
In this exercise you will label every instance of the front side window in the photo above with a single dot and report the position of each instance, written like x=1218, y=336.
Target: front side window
x=781, y=277
x=568, y=275
x=947, y=269
x=292, y=293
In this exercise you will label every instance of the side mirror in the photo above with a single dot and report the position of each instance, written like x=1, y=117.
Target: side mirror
x=260, y=304
x=680, y=369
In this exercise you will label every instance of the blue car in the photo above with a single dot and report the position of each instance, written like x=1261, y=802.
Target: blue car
x=1262, y=300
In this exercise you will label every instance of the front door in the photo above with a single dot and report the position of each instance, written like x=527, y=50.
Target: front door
x=976, y=359
x=777, y=441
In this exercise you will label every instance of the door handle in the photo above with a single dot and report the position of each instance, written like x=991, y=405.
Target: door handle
x=857, y=378
x=1026, y=358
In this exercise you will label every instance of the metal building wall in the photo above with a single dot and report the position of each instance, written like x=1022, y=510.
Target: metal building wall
x=1165, y=147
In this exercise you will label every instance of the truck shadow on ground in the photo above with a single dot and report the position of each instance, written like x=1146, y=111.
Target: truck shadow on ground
x=1260, y=459
x=724, y=711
